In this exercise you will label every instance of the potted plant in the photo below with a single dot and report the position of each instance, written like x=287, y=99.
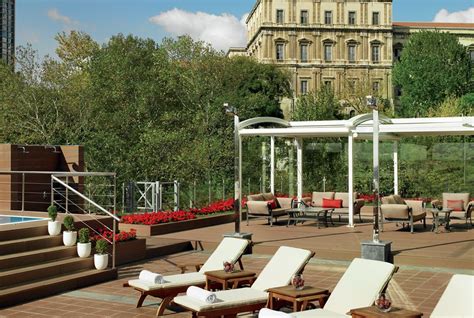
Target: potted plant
x=54, y=227
x=101, y=258
x=69, y=236
x=84, y=245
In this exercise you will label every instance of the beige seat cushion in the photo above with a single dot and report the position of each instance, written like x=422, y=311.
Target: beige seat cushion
x=317, y=313
x=456, y=196
x=255, y=197
x=457, y=299
x=187, y=279
x=268, y=196
x=344, y=196
x=395, y=211
x=317, y=199
x=229, y=249
x=388, y=200
x=398, y=199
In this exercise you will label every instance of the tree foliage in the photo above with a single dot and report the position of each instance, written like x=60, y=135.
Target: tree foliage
x=433, y=66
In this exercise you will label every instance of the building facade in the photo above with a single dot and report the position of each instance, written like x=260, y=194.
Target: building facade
x=7, y=30
x=348, y=45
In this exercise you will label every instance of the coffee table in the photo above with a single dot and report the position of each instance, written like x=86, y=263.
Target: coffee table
x=305, y=213
x=374, y=312
x=224, y=279
x=299, y=298
x=438, y=219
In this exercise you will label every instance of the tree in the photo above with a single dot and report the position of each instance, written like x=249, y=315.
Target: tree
x=320, y=105
x=433, y=66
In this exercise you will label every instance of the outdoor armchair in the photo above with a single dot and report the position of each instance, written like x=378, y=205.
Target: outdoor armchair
x=316, y=200
x=457, y=298
x=395, y=209
x=459, y=203
x=279, y=271
x=260, y=205
x=230, y=249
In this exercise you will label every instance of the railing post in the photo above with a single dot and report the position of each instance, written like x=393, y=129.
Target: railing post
x=114, y=222
x=52, y=190
x=67, y=196
x=23, y=192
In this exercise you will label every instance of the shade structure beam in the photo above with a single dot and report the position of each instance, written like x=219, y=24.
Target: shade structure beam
x=272, y=164
x=350, y=178
x=299, y=167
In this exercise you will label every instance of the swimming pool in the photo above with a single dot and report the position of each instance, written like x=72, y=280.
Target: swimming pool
x=12, y=219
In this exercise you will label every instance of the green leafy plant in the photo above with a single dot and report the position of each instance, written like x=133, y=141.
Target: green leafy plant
x=101, y=246
x=84, y=235
x=52, y=212
x=69, y=223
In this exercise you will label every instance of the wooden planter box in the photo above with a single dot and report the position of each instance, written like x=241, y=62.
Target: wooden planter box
x=128, y=251
x=165, y=228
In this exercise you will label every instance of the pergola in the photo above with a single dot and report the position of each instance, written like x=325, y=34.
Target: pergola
x=356, y=128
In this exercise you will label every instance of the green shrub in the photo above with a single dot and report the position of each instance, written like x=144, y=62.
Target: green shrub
x=69, y=223
x=101, y=246
x=52, y=212
x=84, y=235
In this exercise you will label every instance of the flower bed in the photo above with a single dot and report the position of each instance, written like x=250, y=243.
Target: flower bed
x=122, y=236
x=215, y=207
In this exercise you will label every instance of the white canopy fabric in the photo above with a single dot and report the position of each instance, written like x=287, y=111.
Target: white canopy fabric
x=356, y=128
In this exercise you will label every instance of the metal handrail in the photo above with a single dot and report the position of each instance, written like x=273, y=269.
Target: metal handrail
x=53, y=177
x=63, y=174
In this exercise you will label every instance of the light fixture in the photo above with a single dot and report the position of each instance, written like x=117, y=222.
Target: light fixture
x=23, y=148
x=55, y=148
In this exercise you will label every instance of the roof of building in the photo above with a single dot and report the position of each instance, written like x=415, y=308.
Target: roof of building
x=434, y=25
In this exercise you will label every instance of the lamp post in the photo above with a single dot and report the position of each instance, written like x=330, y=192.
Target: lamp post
x=232, y=111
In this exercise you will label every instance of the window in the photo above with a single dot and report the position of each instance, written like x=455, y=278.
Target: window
x=375, y=18
x=375, y=87
x=279, y=51
x=304, y=52
x=397, y=52
x=471, y=54
x=328, y=52
x=351, y=52
x=304, y=17
x=280, y=17
x=375, y=53
x=327, y=17
x=328, y=84
x=304, y=87
x=352, y=17
x=352, y=86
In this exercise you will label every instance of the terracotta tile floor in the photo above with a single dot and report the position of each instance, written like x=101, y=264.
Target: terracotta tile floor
x=412, y=288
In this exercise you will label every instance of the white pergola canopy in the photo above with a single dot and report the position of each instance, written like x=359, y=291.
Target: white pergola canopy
x=356, y=128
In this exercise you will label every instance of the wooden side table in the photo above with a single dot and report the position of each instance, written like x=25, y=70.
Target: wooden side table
x=299, y=298
x=374, y=312
x=224, y=279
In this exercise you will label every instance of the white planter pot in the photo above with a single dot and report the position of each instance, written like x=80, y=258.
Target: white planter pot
x=101, y=261
x=84, y=249
x=69, y=238
x=54, y=228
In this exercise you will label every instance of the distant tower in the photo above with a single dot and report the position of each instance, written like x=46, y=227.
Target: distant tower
x=7, y=30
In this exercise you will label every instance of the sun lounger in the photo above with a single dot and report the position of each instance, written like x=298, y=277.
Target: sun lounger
x=230, y=249
x=457, y=299
x=286, y=262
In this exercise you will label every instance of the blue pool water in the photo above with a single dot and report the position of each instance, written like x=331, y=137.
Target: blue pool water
x=9, y=219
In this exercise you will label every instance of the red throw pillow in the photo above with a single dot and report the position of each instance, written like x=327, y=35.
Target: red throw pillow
x=456, y=205
x=329, y=203
x=272, y=203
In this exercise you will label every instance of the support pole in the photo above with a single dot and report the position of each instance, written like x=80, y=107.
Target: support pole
x=376, y=176
x=299, y=167
x=350, y=185
x=395, y=167
x=272, y=165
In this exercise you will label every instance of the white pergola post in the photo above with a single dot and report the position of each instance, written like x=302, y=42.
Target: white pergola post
x=395, y=167
x=350, y=186
x=299, y=167
x=272, y=165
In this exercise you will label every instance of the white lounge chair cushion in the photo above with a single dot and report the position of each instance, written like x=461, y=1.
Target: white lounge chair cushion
x=225, y=299
x=268, y=313
x=230, y=249
x=317, y=313
x=186, y=279
x=360, y=285
x=286, y=262
x=457, y=299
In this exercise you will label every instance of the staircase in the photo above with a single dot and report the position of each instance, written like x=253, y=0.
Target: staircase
x=34, y=265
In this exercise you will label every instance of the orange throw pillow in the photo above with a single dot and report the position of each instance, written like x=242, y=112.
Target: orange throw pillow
x=456, y=205
x=329, y=203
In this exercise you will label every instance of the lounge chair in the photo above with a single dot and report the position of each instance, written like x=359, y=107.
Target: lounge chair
x=396, y=209
x=358, y=287
x=456, y=300
x=459, y=203
x=260, y=205
x=286, y=262
x=230, y=249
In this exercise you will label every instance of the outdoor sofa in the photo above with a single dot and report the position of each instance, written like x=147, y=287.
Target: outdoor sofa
x=360, y=285
x=457, y=298
x=396, y=209
x=316, y=200
x=268, y=206
x=230, y=249
x=459, y=203
x=287, y=262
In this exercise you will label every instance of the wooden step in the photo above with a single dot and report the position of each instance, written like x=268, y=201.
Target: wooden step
x=29, y=244
x=54, y=285
x=16, y=234
x=41, y=271
x=28, y=258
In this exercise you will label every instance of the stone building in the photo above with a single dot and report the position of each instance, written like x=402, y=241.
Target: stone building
x=7, y=30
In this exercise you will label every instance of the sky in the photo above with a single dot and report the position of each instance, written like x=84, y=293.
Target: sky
x=219, y=22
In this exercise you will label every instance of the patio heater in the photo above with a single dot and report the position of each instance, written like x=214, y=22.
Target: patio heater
x=232, y=111
x=376, y=249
